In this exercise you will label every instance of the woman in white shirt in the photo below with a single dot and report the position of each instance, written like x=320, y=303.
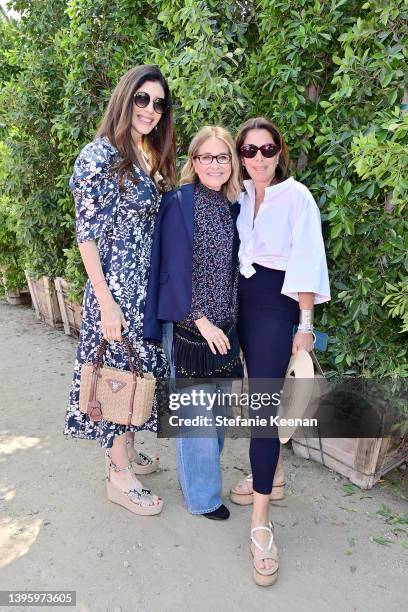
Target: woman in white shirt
x=283, y=273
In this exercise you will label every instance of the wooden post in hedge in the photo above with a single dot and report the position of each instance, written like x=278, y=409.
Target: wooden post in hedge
x=312, y=93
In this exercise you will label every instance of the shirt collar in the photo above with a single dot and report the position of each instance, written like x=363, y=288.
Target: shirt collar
x=249, y=186
x=273, y=189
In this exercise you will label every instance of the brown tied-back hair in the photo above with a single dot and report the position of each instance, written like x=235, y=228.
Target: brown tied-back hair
x=117, y=123
x=261, y=123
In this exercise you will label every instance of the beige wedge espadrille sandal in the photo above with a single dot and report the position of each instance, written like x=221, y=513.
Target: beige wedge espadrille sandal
x=143, y=464
x=242, y=492
x=264, y=576
x=138, y=501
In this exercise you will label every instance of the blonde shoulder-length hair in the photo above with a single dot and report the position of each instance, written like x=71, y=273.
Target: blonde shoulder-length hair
x=232, y=188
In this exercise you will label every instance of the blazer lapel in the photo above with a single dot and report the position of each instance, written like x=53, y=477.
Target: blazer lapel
x=235, y=208
x=186, y=202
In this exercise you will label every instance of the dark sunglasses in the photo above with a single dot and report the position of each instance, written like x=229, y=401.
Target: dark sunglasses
x=142, y=99
x=267, y=150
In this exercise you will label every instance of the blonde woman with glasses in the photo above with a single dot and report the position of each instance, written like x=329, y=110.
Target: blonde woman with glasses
x=193, y=287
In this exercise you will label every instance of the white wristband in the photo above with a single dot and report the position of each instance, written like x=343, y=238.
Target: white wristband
x=305, y=328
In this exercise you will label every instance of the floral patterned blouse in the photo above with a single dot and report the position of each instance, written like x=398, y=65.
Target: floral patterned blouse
x=212, y=293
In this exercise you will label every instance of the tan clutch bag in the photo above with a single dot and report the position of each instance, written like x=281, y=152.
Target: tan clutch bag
x=297, y=403
x=115, y=395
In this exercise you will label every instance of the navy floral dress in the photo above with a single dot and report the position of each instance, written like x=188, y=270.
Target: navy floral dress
x=122, y=223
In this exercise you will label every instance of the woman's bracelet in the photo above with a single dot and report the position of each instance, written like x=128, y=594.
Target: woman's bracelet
x=98, y=283
x=306, y=317
x=305, y=328
x=308, y=331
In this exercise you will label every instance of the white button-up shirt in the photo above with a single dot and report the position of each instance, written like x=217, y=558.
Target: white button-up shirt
x=286, y=235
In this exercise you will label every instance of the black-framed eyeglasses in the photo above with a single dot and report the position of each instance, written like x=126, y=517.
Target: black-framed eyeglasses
x=142, y=99
x=206, y=159
x=267, y=150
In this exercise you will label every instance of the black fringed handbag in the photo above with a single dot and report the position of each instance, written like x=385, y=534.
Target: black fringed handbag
x=193, y=357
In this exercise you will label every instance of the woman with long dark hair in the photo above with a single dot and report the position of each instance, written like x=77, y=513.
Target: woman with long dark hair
x=283, y=273
x=116, y=184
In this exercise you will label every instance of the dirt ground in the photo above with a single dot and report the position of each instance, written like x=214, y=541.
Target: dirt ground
x=58, y=531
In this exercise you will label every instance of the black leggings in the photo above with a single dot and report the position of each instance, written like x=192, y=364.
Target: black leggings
x=265, y=324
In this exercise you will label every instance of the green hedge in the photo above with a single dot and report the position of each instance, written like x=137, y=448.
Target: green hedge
x=333, y=75
x=31, y=165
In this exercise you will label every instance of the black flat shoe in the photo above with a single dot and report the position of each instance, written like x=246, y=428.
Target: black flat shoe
x=220, y=514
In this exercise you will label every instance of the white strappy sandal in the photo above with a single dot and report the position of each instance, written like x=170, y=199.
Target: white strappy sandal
x=264, y=576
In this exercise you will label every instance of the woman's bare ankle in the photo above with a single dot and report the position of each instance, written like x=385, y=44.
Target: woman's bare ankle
x=125, y=478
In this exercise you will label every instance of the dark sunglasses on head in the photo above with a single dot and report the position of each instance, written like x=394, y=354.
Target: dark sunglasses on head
x=267, y=150
x=142, y=99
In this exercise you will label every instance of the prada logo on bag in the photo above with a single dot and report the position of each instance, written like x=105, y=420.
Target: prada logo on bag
x=115, y=385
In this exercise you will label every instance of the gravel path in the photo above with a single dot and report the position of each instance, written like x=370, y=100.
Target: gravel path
x=58, y=531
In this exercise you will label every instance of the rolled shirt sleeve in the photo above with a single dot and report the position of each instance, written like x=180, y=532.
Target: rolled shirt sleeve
x=306, y=269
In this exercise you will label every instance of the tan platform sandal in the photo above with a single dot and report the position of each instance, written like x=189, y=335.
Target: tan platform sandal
x=143, y=464
x=264, y=576
x=242, y=493
x=138, y=501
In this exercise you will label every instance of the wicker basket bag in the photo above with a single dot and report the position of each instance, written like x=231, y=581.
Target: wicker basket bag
x=119, y=396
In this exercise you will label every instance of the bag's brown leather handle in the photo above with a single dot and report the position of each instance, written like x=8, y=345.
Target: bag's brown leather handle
x=129, y=350
x=317, y=364
x=94, y=407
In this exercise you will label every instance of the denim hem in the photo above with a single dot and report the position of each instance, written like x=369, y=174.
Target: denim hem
x=205, y=511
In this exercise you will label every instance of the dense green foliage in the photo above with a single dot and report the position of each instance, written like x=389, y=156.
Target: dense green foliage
x=11, y=264
x=333, y=75
x=31, y=165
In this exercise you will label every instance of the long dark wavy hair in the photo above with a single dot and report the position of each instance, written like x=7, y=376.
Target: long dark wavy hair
x=117, y=123
x=260, y=123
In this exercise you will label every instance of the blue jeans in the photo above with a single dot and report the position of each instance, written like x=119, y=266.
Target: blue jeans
x=198, y=458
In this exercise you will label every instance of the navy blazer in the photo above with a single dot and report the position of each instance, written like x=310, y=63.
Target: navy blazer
x=169, y=290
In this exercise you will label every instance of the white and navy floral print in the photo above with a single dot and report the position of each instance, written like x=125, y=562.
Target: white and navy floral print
x=122, y=222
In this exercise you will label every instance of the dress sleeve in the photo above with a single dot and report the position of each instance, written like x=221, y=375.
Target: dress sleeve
x=307, y=267
x=96, y=192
